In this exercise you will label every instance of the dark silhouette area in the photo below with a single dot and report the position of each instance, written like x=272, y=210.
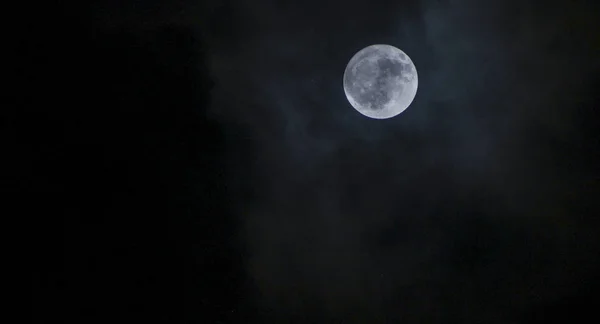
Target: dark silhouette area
x=118, y=174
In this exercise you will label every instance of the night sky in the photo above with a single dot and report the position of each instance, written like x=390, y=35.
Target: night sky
x=198, y=162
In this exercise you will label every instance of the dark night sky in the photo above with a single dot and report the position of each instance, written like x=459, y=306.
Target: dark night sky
x=198, y=162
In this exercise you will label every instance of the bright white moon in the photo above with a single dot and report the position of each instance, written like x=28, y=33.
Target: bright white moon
x=380, y=81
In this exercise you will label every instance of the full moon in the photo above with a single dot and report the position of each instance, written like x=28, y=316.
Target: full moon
x=380, y=81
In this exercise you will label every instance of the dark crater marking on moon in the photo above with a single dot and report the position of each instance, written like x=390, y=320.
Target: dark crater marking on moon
x=372, y=82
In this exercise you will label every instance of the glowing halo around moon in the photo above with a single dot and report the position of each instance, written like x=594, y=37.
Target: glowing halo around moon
x=380, y=81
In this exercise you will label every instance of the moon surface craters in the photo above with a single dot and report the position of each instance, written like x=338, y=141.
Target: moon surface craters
x=380, y=81
x=375, y=81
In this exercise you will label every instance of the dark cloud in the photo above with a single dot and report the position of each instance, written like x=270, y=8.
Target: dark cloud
x=461, y=209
